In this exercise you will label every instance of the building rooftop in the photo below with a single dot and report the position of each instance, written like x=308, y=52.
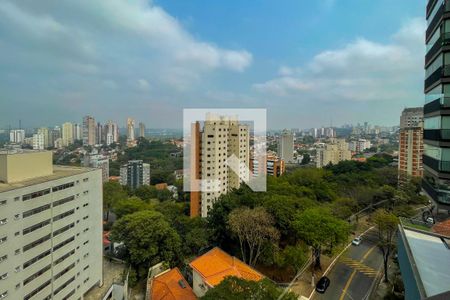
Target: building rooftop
x=58, y=172
x=216, y=264
x=171, y=285
x=431, y=254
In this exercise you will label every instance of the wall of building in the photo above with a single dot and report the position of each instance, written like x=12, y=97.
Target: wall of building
x=26, y=165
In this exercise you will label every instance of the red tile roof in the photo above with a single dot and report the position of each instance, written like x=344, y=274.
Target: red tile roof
x=442, y=228
x=171, y=285
x=216, y=264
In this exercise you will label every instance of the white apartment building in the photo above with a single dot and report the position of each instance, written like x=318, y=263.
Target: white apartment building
x=98, y=161
x=334, y=152
x=77, y=132
x=130, y=130
x=38, y=141
x=50, y=228
x=221, y=138
x=112, y=133
x=17, y=136
x=286, y=146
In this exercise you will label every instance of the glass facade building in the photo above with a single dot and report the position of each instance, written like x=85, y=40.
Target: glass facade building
x=436, y=158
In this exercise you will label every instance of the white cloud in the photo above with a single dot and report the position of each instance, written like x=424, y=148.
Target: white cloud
x=362, y=70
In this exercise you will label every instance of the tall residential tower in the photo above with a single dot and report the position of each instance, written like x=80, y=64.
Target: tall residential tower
x=410, y=143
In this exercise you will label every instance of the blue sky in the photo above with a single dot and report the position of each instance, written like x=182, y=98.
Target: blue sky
x=308, y=62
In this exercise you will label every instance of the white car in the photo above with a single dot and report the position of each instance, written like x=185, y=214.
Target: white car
x=356, y=241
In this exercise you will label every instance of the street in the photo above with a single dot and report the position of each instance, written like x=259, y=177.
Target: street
x=355, y=271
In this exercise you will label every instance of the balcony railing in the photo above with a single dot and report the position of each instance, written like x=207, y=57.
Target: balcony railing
x=435, y=76
x=437, y=165
x=435, y=22
x=437, y=134
x=430, y=6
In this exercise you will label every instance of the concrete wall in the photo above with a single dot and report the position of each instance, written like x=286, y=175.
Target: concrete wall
x=23, y=166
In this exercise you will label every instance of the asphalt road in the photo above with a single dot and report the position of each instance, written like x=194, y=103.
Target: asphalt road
x=354, y=273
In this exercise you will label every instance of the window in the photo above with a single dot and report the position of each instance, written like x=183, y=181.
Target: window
x=35, y=227
x=64, y=285
x=4, y=294
x=36, y=242
x=36, y=275
x=67, y=269
x=62, y=201
x=62, y=244
x=3, y=258
x=3, y=239
x=69, y=295
x=85, y=268
x=63, y=229
x=36, y=259
x=86, y=204
x=85, y=243
x=34, y=211
x=17, y=252
x=63, y=215
x=64, y=257
x=35, y=194
x=3, y=221
x=40, y=288
x=85, y=217
x=85, y=179
x=63, y=186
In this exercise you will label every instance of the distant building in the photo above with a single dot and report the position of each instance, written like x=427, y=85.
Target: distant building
x=333, y=153
x=55, y=137
x=67, y=134
x=411, y=144
x=112, y=133
x=77, y=132
x=38, y=141
x=286, y=146
x=141, y=129
x=50, y=228
x=220, y=138
x=167, y=284
x=135, y=174
x=99, y=134
x=47, y=139
x=98, y=161
x=359, y=145
x=89, y=131
x=271, y=166
x=214, y=266
x=130, y=130
x=17, y=136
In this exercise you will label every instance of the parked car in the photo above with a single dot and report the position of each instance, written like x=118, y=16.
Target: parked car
x=357, y=240
x=322, y=284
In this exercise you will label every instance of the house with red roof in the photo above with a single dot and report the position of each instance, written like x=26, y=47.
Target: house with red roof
x=169, y=285
x=212, y=267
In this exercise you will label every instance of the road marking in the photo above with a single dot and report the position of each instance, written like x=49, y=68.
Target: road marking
x=362, y=268
x=349, y=281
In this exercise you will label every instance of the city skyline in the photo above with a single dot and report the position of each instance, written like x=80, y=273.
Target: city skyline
x=303, y=76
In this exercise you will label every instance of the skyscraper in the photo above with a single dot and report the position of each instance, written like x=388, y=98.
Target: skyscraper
x=135, y=174
x=220, y=138
x=141, y=129
x=38, y=141
x=77, y=132
x=410, y=143
x=67, y=134
x=112, y=132
x=89, y=131
x=130, y=130
x=50, y=228
x=286, y=146
x=436, y=158
x=44, y=131
x=99, y=134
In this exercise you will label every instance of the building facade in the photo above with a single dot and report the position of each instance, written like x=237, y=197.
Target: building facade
x=98, y=161
x=44, y=131
x=17, y=136
x=135, y=174
x=130, y=130
x=38, y=141
x=112, y=133
x=77, y=132
x=436, y=158
x=89, y=131
x=67, y=134
x=51, y=228
x=334, y=152
x=141, y=129
x=270, y=166
x=220, y=138
x=410, y=144
x=286, y=146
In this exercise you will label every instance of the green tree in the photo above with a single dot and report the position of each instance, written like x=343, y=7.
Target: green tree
x=112, y=193
x=234, y=288
x=130, y=205
x=306, y=159
x=148, y=239
x=254, y=228
x=292, y=257
x=386, y=224
x=318, y=228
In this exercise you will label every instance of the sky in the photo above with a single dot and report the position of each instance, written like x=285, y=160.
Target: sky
x=309, y=63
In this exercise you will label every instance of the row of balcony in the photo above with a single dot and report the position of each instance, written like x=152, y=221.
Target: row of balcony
x=436, y=105
x=437, y=165
x=443, y=40
x=443, y=71
x=437, y=18
x=437, y=134
x=439, y=195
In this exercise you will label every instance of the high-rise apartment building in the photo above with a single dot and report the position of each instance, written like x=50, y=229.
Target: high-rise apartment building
x=17, y=136
x=410, y=143
x=141, y=129
x=135, y=174
x=286, y=146
x=55, y=139
x=89, y=131
x=77, y=132
x=436, y=158
x=38, y=141
x=99, y=138
x=221, y=138
x=271, y=166
x=334, y=152
x=112, y=133
x=67, y=134
x=50, y=228
x=44, y=131
x=130, y=130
